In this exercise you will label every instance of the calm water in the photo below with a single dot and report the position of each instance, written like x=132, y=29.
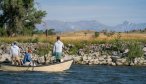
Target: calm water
x=79, y=74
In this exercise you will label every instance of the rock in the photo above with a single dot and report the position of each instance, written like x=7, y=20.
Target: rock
x=91, y=61
x=103, y=62
x=67, y=57
x=4, y=57
x=113, y=64
x=139, y=61
x=86, y=61
x=101, y=58
x=144, y=62
x=109, y=61
x=96, y=61
x=52, y=58
x=95, y=54
x=109, y=58
x=77, y=58
x=80, y=52
x=104, y=56
x=41, y=60
x=126, y=63
x=85, y=58
x=131, y=64
x=1, y=51
x=89, y=58
x=119, y=63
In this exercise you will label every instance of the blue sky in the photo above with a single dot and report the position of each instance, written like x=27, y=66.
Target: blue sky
x=109, y=12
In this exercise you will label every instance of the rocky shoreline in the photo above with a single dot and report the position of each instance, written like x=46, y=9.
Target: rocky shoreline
x=89, y=55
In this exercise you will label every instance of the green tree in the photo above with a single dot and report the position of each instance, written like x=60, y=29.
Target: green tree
x=51, y=31
x=3, y=32
x=19, y=15
x=97, y=34
x=85, y=33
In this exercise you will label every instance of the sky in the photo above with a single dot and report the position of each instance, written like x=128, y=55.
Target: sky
x=109, y=12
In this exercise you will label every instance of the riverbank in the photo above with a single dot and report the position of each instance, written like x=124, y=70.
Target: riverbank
x=100, y=54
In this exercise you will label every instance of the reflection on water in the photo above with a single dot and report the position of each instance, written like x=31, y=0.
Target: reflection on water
x=79, y=74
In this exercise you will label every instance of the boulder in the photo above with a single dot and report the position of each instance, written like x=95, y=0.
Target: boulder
x=96, y=61
x=5, y=56
x=113, y=64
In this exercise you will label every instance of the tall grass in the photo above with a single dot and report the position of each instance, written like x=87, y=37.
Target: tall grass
x=77, y=39
x=135, y=50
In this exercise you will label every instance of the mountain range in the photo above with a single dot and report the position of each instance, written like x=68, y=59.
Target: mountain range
x=61, y=26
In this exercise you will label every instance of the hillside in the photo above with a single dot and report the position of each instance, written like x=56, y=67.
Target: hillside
x=61, y=26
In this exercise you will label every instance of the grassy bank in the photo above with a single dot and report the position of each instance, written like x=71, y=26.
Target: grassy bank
x=75, y=38
x=117, y=42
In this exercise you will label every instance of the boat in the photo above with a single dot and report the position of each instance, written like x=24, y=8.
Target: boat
x=56, y=67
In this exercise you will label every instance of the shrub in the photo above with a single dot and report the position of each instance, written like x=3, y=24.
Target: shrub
x=43, y=49
x=135, y=50
x=3, y=32
x=97, y=34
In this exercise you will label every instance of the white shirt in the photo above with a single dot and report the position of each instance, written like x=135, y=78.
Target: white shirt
x=15, y=50
x=58, y=46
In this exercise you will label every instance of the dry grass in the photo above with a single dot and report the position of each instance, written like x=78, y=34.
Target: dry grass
x=74, y=37
x=90, y=36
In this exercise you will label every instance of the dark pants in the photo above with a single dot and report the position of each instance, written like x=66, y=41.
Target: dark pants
x=58, y=60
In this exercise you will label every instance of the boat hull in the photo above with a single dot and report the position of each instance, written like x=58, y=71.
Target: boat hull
x=58, y=67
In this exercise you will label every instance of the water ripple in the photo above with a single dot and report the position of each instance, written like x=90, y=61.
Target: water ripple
x=79, y=74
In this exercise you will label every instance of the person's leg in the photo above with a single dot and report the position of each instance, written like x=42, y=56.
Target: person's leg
x=18, y=60
x=13, y=60
x=57, y=57
x=58, y=54
x=57, y=60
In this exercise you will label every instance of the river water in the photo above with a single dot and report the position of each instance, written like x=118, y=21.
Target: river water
x=79, y=74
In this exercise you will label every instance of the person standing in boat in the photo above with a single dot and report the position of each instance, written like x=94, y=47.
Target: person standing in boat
x=15, y=52
x=57, y=49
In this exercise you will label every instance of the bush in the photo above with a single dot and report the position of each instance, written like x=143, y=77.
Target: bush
x=97, y=34
x=3, y=32
x=109, y=34
x=135, y=50
x=43, y=49
x=35, y=40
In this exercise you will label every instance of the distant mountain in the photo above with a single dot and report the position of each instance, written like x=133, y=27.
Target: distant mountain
x=127, y=26
x=61, y=26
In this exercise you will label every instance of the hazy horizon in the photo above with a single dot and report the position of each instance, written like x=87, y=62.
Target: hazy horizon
x=109, y=12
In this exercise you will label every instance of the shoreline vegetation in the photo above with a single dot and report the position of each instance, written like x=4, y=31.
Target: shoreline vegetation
x=84, y=47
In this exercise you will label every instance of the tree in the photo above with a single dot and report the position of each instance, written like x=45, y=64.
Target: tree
x=97, y=34
x=3, y=32
x=19, y=16
x=51, y=31
x=85, y=33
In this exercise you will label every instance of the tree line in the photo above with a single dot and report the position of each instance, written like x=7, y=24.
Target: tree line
x=19, y=17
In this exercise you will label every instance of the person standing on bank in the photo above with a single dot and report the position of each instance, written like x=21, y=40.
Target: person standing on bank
x=15, y=52
x=57, y=49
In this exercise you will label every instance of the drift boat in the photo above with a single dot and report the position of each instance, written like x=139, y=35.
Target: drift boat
x=57, y=67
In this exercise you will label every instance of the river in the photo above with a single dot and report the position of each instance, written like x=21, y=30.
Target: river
x=80, y=74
